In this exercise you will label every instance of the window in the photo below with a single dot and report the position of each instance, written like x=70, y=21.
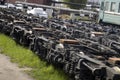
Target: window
x=119, y=8
x=113, y=6
x=102, y=6
x=106, y=6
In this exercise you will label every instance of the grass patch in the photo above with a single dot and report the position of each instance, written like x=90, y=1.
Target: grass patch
x=26, y=58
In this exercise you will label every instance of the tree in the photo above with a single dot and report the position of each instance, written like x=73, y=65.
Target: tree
x=2, y=2
x=48, y=2
x=76, y=4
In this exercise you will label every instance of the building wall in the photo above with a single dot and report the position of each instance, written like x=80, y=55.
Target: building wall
x=36, y=1
x=31, y=1
x=13, y=1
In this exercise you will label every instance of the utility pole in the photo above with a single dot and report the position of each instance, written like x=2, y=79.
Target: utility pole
x=7, y=3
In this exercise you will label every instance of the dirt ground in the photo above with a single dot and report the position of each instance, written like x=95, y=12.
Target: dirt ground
x=10, y=71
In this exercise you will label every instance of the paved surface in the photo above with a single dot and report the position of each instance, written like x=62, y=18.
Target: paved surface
x=10, y=71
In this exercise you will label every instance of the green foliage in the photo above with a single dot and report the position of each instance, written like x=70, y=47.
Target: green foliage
x=48, y=2
x=82, y=2
x=26, y=58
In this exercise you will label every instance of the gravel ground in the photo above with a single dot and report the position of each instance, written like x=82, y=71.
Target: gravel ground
x=10, y=71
